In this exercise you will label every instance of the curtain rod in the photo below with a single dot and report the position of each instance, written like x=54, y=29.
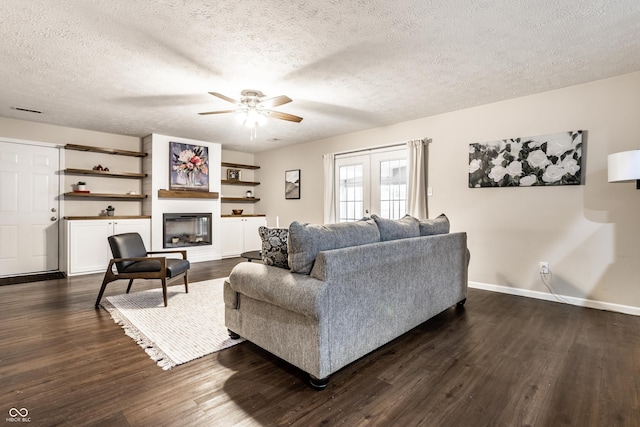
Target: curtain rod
x=395, y=144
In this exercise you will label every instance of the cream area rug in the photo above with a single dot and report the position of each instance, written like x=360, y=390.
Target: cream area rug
x=191, y=326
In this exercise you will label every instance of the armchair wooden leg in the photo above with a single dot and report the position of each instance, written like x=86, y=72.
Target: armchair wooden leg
x=108, y=278
x=130, y=283
x=164, y=290
x=186, y=282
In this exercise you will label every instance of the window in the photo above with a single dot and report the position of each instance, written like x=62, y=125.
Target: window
x=372, y=182
x=393, y=188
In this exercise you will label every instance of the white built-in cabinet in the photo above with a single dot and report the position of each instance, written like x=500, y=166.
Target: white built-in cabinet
x=240, y=234
x=88, y=250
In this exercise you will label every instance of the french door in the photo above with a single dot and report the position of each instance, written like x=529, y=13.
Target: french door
x=28, y=208
x=368, y=183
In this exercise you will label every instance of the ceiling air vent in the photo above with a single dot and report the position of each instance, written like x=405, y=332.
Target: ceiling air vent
x=27, y=110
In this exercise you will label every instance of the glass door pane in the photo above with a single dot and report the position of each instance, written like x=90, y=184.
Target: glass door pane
x=371, y=183
x=351, y=180
x=389, y=183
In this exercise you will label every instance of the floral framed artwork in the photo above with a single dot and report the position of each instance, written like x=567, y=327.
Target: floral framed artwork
x=188, y=167
x=554, y=159
x=292, y=184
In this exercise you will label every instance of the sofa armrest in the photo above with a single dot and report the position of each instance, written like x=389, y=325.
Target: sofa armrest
x=296, y=292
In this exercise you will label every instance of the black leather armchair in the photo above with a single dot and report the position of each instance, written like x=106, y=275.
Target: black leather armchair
x=132, y=261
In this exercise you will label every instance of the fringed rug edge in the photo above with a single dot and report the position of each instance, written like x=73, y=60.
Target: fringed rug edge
x=157, y=355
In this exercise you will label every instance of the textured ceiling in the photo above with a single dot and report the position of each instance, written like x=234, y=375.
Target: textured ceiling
x=141, y=67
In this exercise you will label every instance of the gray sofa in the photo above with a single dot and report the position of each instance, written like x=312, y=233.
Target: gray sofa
x=367, y=283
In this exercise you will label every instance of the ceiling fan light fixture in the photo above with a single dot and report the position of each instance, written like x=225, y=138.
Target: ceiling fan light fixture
x=254, y=118
x=241, y=117
x=251, y=117
x=253, y=110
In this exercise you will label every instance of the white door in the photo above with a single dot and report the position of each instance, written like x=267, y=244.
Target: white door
x=28, y=208
x=389, y=183
x=371, y=183
x=352, y=187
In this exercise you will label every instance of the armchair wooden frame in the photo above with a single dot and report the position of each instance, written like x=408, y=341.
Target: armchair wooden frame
x=161, y=274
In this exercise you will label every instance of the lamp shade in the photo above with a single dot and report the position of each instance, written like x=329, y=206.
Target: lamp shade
x=624, y=166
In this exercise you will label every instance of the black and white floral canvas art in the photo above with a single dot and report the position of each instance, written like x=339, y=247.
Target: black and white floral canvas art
x=554, y=159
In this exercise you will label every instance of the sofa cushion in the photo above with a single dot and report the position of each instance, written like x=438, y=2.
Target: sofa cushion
x=430, y=227
x=307, y=240
x=274, y=246
x=393, y=229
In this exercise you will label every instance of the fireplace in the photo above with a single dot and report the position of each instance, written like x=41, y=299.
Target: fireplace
x=186, y=229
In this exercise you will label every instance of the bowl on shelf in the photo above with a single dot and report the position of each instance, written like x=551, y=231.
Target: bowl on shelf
x=237, y=211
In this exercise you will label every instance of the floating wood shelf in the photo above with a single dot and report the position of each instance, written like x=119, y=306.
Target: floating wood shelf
x=106, y=196
x=242, y=215
x=239, y=199
x=105, y=217
x=186, y=194
x=104, y=150
x=109, y=174
x=239, y=165
x=226, y=181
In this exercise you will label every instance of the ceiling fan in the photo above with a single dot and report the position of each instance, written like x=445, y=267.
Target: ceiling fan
x=253, y=107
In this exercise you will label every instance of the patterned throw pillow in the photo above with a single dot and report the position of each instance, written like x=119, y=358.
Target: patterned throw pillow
x=430, y=227
x=274, y=246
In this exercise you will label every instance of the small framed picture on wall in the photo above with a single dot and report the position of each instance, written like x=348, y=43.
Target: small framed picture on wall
x=292, y=184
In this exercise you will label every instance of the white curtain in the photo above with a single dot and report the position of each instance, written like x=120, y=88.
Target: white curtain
x=329, y=188
x=418, y=151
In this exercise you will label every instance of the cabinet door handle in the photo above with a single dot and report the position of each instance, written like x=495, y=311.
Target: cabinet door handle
x=53, y=218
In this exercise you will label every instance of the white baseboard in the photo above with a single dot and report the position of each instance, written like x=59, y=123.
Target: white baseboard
x=580, y=302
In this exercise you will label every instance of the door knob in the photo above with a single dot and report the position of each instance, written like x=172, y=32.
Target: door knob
x=53, y=209
x=53, y=218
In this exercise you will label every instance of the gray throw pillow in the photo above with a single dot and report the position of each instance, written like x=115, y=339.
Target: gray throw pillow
x=307, y=240
x=394, y=229
x=430, y=227
x=274, y=246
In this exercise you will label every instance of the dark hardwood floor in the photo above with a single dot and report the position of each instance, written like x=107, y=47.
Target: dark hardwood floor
x=501, y=361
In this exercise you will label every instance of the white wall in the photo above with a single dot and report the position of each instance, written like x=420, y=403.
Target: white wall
x=60, y=136
x=590, y=234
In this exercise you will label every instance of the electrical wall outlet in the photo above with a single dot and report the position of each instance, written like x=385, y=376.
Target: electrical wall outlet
x=544, y=267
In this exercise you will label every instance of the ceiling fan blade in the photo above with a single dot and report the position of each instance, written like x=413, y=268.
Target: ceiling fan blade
x=275, y=101
x=226, y=98
x=217, y=112
x=283, y=116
